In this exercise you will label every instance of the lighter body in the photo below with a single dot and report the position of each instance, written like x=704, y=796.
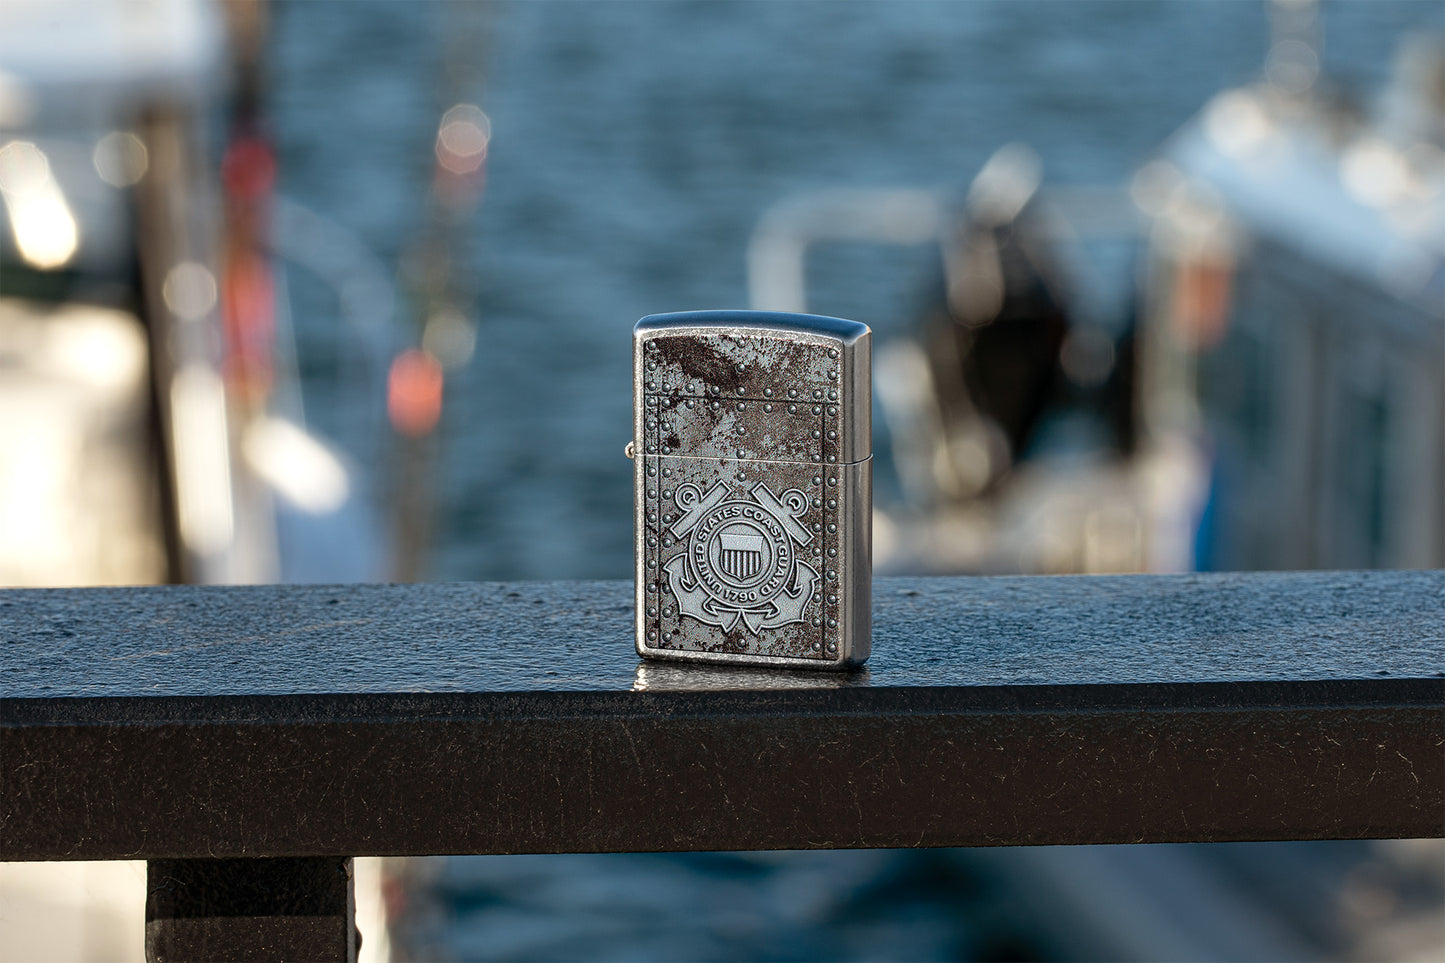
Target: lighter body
x=753, y=488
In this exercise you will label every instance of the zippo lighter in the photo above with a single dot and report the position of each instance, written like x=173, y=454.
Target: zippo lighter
x=753, y=474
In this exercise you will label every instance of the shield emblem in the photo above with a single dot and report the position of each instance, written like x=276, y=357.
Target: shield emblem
x=741, y=555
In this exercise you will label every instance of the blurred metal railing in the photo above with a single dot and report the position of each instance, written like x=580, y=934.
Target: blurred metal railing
x=248, y=741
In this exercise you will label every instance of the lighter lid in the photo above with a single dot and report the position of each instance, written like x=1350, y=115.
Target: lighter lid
x=783, y=369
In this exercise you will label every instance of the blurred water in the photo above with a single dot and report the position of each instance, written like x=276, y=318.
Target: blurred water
x=635, y=145
x=870, y=905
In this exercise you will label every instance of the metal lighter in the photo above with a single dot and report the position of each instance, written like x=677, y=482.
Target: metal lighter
x=753, y=477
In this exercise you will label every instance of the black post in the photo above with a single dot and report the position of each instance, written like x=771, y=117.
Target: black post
x=250, y=910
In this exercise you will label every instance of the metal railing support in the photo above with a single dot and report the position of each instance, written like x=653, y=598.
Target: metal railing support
x=250, y=910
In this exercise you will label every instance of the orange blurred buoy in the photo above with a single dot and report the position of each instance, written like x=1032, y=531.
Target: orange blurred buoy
x=414, y=392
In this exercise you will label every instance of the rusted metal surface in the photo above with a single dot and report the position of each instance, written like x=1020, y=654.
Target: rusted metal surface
x=248, y=722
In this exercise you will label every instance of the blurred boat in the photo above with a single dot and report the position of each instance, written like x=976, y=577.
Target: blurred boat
x=151, y=421
x=1295, y=318
x=153, y=427
x=1236, y=362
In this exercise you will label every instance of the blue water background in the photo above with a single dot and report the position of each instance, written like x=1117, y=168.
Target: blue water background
x=635, y=146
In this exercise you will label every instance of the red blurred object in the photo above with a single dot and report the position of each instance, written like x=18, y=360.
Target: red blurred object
x=414, y=392
x=249, y=319
x=249, y=169
x=248, y=308
x=1203, y=287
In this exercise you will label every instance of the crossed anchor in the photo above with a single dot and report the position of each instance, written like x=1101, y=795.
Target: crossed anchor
x=696, y=600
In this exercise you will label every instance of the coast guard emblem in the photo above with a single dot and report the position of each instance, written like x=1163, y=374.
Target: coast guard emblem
x=741, y=564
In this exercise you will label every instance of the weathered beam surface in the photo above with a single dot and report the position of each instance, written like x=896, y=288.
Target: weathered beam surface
x=306, y=721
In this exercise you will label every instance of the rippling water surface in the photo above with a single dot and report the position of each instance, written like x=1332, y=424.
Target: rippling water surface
x=635, y=146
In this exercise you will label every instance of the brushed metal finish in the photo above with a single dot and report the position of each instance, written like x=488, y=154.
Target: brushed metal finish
x=753, y=488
